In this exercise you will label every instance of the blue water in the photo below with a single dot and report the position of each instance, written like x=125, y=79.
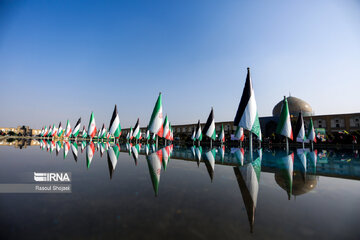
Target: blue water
x=183, y=193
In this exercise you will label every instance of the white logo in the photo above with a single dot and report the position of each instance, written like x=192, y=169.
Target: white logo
x=51, y=177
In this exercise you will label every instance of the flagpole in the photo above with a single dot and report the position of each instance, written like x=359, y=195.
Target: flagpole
x=303, y=144
x=250, y=145
x=287, y=145
x=157, y=145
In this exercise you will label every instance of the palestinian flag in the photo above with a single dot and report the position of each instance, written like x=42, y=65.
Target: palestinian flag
x=54, y=132
x=154, y=161
x=60, y=130
x=311, y=132
x=74, y=149
x=300, y=129
x=90, y=150
x=147, y=134
x=58, y=147
x=198, y=152
x=193, y=136
x=92, y=126
x=247, y=116
x=198, y=135
x=115, y=127
x=239, y=134
x=45, y=131
x=84, y=133
x=156, y=120
x=210, y=162
x=77, y=128
x=166, y=127
x=67, y=129
x=136, y=133
x=102, y=149
x=222, y=134
x=248, y=178
x=135, y=152
x=113, y=155
x=103, y=131
x=83, y=145
x=50, y=131
x=209, y=128
x=284, y=125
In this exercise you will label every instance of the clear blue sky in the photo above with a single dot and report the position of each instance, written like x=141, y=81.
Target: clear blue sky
x=63, y=59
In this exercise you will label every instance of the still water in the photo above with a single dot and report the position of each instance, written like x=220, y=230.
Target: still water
x=137, y=192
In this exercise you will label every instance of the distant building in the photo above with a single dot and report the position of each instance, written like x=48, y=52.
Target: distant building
x=331, y=123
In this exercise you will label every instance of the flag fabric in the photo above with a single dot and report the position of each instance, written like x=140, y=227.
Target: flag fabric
x=154, y=161
x=193, y=136
x=222, y=134
x=74, y=149
x=209, y=128
x=247, y=115
x=171, y=137
x=113, y=155
x=300, y=129
x=136, y=133
x=239, y=155
x=284, y=125
x=166, y=129
x=287, y=170
x=77, y=128
x=67, y=129
x=131, y=133
x=210, y=162
x=156, y=120
x=60, y=130
x=115, y=127
x=54, y=132
x=103, y=131
x=66, y=148
x=84, y=133
x=147, y=134
x=50, y=131
x=45, y=131
x=90, y=151
x=239, y=134
x=311, y=132
x=92, y=126
x=198, y=135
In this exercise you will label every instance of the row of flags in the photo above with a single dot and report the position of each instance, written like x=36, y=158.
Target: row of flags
x=157, y=127
x=210, y=131
x=284, y=126
x=246, y=118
